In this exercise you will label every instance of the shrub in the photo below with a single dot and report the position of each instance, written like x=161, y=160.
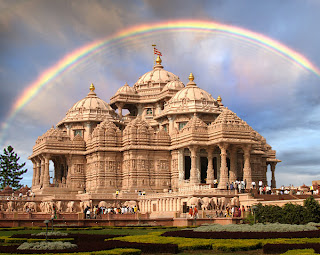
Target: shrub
x=298, y=252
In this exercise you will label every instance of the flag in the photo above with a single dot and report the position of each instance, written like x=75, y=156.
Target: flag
x=157, y=52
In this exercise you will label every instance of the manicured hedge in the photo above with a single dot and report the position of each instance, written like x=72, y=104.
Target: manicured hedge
x=95, y=243
x=281, y=248
x=241, y=235
x=117, y=251
x=300, y=252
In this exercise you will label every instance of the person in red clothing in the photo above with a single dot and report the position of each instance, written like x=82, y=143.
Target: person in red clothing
x=195, y=212
x=190, y=212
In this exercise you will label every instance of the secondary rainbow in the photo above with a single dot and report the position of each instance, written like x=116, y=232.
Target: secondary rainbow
x=77, y=56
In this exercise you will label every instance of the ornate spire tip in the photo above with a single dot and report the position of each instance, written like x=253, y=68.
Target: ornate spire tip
x=191, y=77
x=158, y=60
x=92, y=88
x=219, y=99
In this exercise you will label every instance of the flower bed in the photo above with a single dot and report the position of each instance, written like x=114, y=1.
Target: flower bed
x=58, y=245
x=259, y=227
x=242, y=235
x=54, y=233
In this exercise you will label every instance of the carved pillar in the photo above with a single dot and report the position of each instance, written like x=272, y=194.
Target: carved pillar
x=34, y=172
x=273, y=178
x=46, y=176
x=68, y=126
x=42, y=171
x=247, y=175
x=223, y=168
x=181, y=165
x=175, y=200
x=233, y=164
x=158, y=108
x=38, y=170
x=171, y=124
x=210, y=170
x=149, y=206
x=179, y=204
x=193, y=172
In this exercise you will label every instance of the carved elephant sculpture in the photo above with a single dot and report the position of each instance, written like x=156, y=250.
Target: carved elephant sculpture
x=31, y=205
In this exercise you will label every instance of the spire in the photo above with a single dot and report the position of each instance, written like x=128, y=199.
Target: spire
x=158, y=60
x=191, y=77
x=219, y=99
x=92, y=88
x=191, y=83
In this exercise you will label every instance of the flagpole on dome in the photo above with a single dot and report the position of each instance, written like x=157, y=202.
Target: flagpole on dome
x=154, y=58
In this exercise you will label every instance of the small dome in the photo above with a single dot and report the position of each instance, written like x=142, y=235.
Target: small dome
x=191, y=99
x=126, y=90
x=174, y=85
x=89, y=108
x=158, y=77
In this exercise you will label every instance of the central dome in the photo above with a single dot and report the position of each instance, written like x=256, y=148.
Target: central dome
x=155, y=79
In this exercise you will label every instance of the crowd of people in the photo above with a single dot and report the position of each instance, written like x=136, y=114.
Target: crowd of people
x=96, y=211
x=228, y=212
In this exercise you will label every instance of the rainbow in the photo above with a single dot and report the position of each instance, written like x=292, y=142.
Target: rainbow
x=79, y=55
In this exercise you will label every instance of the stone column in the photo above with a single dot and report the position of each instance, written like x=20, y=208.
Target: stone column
x=171, y=124
x=193, y=171
x=224, y=168
x=159, y=205
x=42, y=171
x=179, y=204
x=46, y=176
x=175, y=200
x=158, y=108
x=120, y=110
x=218, y=167
x=68, y=126
x=181, y=165
x=273, y=178
x=37, y=178
x=210, y=170
x=87, y=131
x=34, y=172
x=247, y=174
x=166, y=204
x=233, y=164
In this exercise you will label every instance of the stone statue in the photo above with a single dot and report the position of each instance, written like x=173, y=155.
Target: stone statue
x=10, y=206
x=70, y=206
x=31, y=205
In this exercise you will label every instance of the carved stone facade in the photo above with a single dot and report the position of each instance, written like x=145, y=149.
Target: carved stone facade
x=173, y=137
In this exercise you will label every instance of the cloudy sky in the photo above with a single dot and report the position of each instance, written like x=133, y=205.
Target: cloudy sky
x=277, y=96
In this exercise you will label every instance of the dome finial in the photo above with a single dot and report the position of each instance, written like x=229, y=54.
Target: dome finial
x=191, y=77
x=158, y=60
x=219, y=99
x=92, y=88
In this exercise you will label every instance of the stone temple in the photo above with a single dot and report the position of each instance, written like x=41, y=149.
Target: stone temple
x=172, y=144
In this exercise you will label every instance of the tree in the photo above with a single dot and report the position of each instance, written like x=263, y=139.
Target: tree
x=10, y=169
x=312, y=210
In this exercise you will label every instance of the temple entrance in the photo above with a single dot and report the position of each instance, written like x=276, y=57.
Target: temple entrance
x=187, y=167
x=203, y=170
